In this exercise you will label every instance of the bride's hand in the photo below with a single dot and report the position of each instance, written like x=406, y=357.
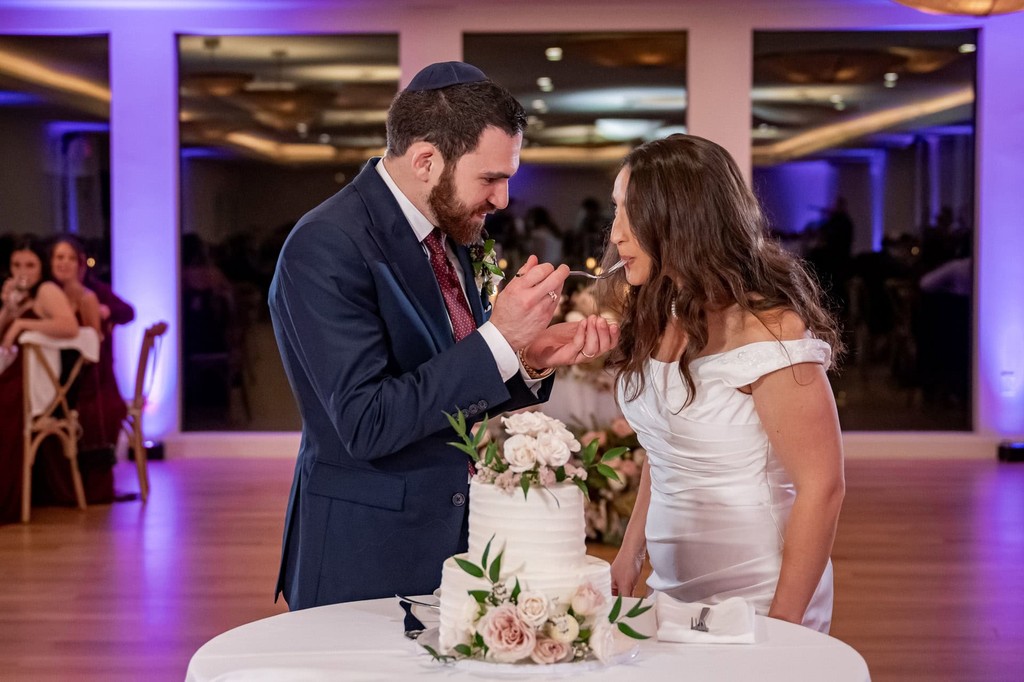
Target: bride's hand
x=572, y=343
x=626, y=569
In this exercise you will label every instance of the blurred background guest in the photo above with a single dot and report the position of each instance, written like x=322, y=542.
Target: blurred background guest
x=31, y=302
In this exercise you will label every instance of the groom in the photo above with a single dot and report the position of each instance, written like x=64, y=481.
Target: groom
x=382, y=330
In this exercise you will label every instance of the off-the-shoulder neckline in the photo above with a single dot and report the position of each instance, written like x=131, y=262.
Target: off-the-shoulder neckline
x=711, y=356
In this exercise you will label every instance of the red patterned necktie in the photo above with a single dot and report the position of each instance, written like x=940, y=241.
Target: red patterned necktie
x=461, y=317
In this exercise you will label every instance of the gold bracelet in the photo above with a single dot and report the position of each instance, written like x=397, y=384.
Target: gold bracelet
x=530, y=371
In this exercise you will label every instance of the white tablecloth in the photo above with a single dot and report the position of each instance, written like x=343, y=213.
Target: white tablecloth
x=364, y=641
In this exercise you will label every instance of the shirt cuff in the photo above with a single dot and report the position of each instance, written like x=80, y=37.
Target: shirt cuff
x=505, y=355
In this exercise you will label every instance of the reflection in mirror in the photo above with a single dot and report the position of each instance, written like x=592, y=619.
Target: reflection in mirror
x=591, y=97
x=270, y=127
x=863, y=152
x=54, y=132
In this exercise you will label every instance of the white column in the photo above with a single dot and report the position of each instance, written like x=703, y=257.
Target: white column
x=719, y=80
x=144, y=206
x=999, y=253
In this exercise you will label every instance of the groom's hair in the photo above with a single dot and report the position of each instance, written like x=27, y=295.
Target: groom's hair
x=452, y=118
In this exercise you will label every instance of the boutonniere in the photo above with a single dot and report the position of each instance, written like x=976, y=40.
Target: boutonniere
x=485, y=268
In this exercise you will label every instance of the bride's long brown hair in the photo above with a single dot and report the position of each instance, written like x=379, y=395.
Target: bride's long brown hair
x=692, y=213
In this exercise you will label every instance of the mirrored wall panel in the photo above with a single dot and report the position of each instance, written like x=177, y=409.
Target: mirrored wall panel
x=591, y=97
x=863, y=155
x=270, y=127
x=55, y=137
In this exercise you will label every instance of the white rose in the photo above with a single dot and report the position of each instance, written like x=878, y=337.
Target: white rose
x=533, y=608
x=551, y=450
x=565, y=435
x=587, y=600
x=525, y=423
x=603, y=641
x=562, y=628
x=521, y=453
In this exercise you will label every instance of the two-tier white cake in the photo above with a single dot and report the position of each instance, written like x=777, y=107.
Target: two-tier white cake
x=542, y=537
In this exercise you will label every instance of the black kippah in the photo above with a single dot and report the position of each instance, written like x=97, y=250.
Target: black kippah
x=444, y=74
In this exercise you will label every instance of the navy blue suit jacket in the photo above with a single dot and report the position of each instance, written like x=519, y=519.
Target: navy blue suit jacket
x=379, y=497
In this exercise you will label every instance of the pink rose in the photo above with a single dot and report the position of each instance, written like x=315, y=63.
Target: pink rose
x=621, y=428
x=587, y=600
x=600, y=436
x=549, y=651
x=507, y=637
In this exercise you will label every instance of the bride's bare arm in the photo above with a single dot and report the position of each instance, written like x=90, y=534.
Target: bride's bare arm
x=629, y=561
x=798, y=412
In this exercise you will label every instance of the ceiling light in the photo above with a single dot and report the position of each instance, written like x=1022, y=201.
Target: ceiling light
x=545, y=84
x=539, y=106
x=890, y=84
x=967, y=48
x=324, y=138
x=554, y=54
x=214, y=82
x=977, y=8
x=835, y=99
x=890, y=77
x=840, y=105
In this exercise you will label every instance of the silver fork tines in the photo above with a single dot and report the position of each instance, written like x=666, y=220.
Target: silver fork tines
x=698, y=623
x=606, y=273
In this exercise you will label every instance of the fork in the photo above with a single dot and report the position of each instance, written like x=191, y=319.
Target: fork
x=698, y=623
x=607, y=273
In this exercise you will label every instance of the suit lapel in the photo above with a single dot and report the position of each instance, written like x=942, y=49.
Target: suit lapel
x=409, y=264
x=472, y=292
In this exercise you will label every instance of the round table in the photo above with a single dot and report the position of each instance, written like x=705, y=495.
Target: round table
x=364, y=641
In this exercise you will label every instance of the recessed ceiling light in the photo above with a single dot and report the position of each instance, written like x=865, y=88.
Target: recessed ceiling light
x=539, y=106
x=890, y=84
x=840, y=105
x=545, y=84
x=554, y=54
x=324, y=138
x=891, y=76
x=967, y=48
x=835, y=99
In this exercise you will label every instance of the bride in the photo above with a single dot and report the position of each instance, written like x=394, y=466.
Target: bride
x=721, y=370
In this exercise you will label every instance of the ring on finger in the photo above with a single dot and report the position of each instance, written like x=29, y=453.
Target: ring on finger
x=587, y=355
x=554, y=296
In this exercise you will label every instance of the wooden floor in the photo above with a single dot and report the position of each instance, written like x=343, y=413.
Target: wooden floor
x=929, y=571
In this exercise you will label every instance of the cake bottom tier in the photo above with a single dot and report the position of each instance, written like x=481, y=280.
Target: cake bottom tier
x=456, y=603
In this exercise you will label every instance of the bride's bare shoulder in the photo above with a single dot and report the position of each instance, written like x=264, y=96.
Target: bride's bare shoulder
x=771, y=325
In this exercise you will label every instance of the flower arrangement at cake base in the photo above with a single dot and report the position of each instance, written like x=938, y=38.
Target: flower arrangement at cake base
x=510, y=624
x=526, y=591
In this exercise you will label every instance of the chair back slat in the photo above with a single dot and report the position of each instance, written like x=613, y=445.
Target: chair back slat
x=154, y=332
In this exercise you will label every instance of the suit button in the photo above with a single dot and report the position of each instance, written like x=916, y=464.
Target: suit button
x=482, y=404
x=458, y=499
x=472, y=410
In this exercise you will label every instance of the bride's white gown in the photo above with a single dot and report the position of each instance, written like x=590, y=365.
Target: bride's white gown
x=720, y=498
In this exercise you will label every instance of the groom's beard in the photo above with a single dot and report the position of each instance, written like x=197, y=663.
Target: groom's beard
x=452, y=216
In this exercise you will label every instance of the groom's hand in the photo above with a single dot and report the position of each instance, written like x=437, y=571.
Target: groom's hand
x=572, y=343
x=526, y=304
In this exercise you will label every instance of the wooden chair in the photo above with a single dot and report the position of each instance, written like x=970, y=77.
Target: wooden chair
x=54, y=413
x=132, y=424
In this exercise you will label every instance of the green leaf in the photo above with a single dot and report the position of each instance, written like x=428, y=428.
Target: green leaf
x=480, y=432
x=438, y=656
x=463, y=649
x=615, y=609
x=584, y=634
x=515, y=592
x=495, y=270
x=479, y=595
x=470, y=568
x=524, y=483
x=487, y=550
x=589, y=454
x=614, y=453
x=495, y=573
x=630, y=632
x=488, y=245
x=607, y=472
x=582, y=485
x=639, y=609
x=468, y=449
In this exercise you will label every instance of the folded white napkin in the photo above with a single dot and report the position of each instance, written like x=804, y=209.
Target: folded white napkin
x=730, y=622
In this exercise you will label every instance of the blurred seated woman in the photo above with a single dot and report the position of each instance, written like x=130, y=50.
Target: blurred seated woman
x=100, y=405
x=31, y=302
